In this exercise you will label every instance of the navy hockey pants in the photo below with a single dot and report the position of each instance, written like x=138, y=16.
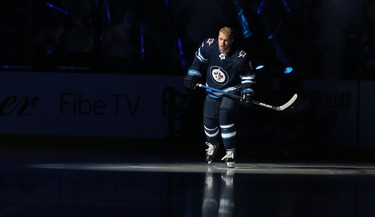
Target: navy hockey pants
x=219, y=120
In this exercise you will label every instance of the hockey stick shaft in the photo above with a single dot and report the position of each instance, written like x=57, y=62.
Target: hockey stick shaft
x=235, y=96
x=277, y=108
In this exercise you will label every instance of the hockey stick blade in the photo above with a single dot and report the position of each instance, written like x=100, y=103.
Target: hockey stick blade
x=276, y=108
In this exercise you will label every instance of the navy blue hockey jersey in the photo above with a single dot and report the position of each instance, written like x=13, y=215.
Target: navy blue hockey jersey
x=229, y=72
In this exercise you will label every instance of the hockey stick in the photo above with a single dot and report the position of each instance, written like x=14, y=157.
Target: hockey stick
x=276, y=108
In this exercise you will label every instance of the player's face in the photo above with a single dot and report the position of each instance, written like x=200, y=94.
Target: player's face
x=225, y=42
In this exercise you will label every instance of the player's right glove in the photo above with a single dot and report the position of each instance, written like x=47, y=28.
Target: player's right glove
x=191, y=79
x=247, y=97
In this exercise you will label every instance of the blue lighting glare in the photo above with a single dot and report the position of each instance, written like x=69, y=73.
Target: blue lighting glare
x=259, y=10
x=142, y=41
x=14, y=67
x=287, y=6
x=57, y=8
x=288, y=70
x=181, y=52
x=259, y=67
x=244, y=24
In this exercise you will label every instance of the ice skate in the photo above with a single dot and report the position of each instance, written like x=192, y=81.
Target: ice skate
x=229, y=158
x=211, y=152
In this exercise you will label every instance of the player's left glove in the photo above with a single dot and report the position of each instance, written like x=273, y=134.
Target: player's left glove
x=247, y=97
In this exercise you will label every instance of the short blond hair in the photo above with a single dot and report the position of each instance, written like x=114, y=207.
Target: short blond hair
x=227, y=31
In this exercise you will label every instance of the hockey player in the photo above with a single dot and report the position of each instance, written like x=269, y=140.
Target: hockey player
x=228, y=70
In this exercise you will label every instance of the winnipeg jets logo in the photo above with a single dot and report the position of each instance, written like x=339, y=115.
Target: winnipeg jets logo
x=219, y=75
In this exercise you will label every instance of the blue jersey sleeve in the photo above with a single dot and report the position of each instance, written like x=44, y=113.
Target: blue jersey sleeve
x=202, y=54
x=247, y=75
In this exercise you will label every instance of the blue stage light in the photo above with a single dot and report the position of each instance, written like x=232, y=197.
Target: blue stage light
x=57, y=8
x=259, y=10
x=288, y=70
x=142, y=41
x=244, y=24
x=259, y=67
x=286, y=6
x=183, y=62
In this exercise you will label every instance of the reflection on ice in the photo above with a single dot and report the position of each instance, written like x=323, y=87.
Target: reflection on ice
x=218, y=198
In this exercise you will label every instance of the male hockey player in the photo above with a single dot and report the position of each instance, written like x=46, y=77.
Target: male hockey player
x=228, y=70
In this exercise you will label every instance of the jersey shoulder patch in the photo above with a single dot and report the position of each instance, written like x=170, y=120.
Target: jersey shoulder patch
x=242, y=53
x=210, y=41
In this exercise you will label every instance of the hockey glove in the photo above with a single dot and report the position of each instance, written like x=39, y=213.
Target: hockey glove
x=246, y=97
x=190, y=81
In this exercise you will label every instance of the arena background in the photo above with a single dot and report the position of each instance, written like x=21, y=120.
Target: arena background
x=109, y=73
